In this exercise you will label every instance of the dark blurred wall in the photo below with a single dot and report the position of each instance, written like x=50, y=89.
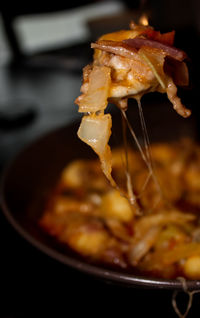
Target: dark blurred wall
x=36, y=7
x=170, y=13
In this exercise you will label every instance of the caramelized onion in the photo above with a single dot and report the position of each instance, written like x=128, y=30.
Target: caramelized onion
x=116, y=47
x=156, y=62
x=96, y=97
x=95, y=131
x=178, y=71
x=143, y=224
x=137, y=43
x=142, y=246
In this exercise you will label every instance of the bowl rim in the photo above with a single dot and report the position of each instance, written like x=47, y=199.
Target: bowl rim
x=115, y=276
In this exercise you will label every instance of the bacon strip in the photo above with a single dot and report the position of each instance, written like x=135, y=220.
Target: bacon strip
x=171, y=51
x=165, y=38
x=116, y=47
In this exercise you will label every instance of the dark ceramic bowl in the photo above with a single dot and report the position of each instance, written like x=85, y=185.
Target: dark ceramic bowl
x=24, y=188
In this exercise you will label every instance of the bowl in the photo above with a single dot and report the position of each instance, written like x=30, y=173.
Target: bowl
x=25, y=185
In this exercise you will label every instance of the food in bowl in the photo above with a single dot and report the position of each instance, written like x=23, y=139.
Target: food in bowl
x=95, y=220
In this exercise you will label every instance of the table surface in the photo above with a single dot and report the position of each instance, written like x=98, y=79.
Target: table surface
x=32, y=284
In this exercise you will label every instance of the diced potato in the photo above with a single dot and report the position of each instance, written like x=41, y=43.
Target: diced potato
x=192, y=267
x=117, y=207
x=96, y=96
x=64, y=205
x=89, y=243
x=84, y=174
x=72, y=174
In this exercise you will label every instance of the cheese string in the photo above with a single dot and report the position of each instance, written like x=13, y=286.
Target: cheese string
x=131, y=196
x=144, y=130
x=146, y=157
x=147, y=145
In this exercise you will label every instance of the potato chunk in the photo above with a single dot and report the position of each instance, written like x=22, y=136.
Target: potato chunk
x=89, y=243
x=192, y=267
x=117, y=207
x=72, y=175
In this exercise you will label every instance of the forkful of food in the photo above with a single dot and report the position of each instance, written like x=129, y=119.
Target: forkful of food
x=128, y=64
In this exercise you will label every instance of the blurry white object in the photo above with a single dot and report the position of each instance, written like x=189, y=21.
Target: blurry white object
x=46, y=31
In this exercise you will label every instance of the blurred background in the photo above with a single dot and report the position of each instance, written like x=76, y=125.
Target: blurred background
x=43, y=49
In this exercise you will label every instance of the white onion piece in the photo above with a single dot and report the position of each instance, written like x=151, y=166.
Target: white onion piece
x=95, y=131
x=156, y=62
x=95, y=98
x=139, y=249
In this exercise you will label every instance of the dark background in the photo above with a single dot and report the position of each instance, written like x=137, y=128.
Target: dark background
x=38, y=93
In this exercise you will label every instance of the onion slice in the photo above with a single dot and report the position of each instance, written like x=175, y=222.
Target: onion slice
x=98, y=89
x=116, y=47
x=143, y=224
x=178, y=71
x=156, y=62
x=95, y=131
x=171, y=51
x=140, y=248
